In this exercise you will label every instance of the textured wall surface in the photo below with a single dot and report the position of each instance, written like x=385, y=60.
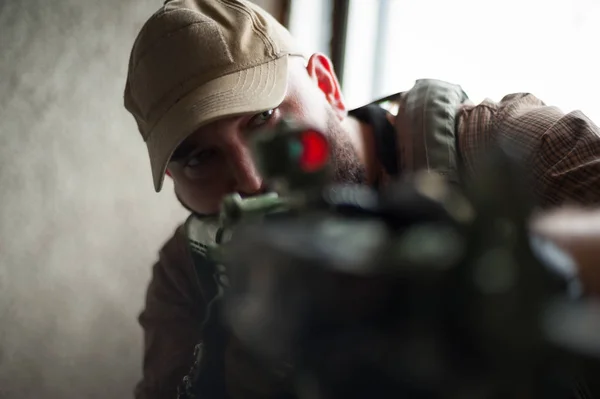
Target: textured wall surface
x=80, y=224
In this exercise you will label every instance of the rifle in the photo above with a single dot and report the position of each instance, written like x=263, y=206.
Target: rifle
x=427, y=289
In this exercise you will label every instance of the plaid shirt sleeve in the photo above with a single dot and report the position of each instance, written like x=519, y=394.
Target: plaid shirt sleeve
x=563, y=149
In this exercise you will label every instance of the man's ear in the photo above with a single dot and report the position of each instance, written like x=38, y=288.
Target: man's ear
x=320, y=69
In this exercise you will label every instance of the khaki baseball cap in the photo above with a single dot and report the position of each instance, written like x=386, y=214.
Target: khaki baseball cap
x=196, y=61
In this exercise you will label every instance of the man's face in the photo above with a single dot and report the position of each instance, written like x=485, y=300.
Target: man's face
x=216, y=159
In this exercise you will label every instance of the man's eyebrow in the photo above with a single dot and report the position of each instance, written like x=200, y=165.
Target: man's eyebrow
x=182, y=152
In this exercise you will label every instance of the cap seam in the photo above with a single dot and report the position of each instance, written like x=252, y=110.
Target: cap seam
x=144, y=27
x=162, y=38
x=256, y=91
x=273, y=55
x=264, y=37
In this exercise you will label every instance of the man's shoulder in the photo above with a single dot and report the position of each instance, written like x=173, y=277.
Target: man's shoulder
x=425, y=127
x=424, y=94
x=193, y=230
x=176, y=245
x=174, y=279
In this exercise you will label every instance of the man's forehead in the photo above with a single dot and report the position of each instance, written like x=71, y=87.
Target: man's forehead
x=206, y=133
x=202, y=134
x=183, y=151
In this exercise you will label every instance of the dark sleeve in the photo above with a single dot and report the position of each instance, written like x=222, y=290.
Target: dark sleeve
x=171, y=321
x=563, y=149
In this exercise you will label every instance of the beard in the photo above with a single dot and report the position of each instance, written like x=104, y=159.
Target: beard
x=347, y=167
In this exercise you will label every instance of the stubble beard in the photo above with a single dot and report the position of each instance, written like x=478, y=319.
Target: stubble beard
x=346, y=165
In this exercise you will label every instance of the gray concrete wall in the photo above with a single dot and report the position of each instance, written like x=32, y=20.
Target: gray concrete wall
x=80, y=224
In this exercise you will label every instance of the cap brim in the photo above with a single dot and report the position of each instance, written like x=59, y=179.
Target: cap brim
x=252, y=90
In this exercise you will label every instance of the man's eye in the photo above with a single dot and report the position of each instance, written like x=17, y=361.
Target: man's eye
x=262, y=118
x=200, y=159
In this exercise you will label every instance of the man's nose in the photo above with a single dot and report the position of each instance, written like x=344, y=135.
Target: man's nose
x=247, y=179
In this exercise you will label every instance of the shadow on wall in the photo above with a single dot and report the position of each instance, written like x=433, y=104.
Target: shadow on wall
x=80, y=224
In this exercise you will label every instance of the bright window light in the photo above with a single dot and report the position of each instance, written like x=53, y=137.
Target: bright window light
x=310, y=24
x=546, y=47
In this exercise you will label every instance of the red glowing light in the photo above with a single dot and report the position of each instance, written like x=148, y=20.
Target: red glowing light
x=315, y=152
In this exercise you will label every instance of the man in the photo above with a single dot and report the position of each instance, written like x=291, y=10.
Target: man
x=204, y=75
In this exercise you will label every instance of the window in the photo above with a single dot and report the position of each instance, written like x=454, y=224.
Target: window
x=310, y=24
x=546, y=47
